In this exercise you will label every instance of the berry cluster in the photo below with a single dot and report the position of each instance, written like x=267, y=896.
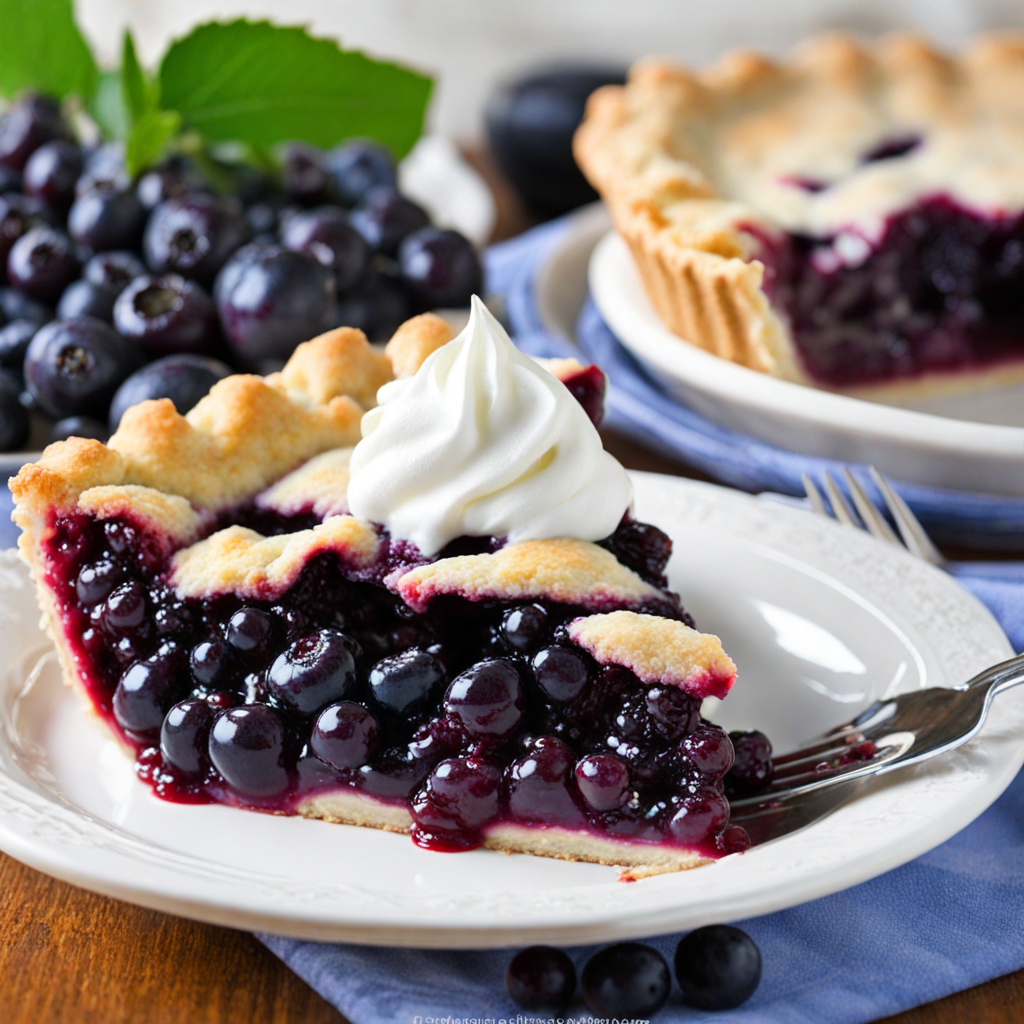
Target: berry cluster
x=114, y=291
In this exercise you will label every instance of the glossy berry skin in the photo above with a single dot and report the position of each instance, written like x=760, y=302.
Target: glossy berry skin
x=147, y=690
x=541, y=978
x=304, y=174
x=561, y=672
x=440, y=268
x=359, y=166
x=700, y=817
x=14, y=424
x=104, y=169
x=603, y=781
x=83, y=298
x=29, y=124
x=212, y=662
x=79, y=426
x=326, y=234
x=523, y=626
x=184, y=735
x=52, y=171
x=192, y=236
x=378, y=306
x=106, y=218
x=345, y=735
x=116, y=269
x=461, y=793
x=626, y=980
x=73, y=367
x=709, y=749
x=184, y=379
x=246, y=746
x=314, y=670
x=18, y=215
x=42, y=263
x=271, y=299
x=539, y=785
x=384, y=218
x=175, y=177
x=166, y=315
x=718, y=967
x=403, y=684
x=487, y=699
x=249, y=631
x=752, y=769
x=14, y=342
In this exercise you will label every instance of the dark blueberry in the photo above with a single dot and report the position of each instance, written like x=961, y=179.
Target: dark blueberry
x=538, y=786
x=193, y=236
x=272, y=299
x=73, y=367
x=326, y=234
x=250, y=630
x=14, y=342
x=314, y=670
x=166, y=315
x=359, y=166
x=42, y=263
x=104, y=169
x=524, y=626
x=10, y=179
x=51, y=172
x=106, y=218
x=126, y=607
x=718, y=967
x=541, y=978
x=642, y=548
x=18, y=306
x=437, y=739
x=384, y=218
x=530, y=125
x=304, y=173
x=14, y=422
x=603, y=781
x=184, y=379
x=96, y=580
x=378, y=306
x=673, y=713
x=440, y=268
x=734, y=839
x=405, y=683
x=261, y=220
x=561, y=672
x=709, y=749
x=487, y=698
x=345, y=735
x=700, y=817
x=626, y=980
x=83, y=298
x=246, y=746
x=147, y=690
x=212, y=662
x=184, y=735
x=175, y=177
x=79, y=426
x=115, y=269
x=752, y=769
x=18, y=215
x=26, y=126
x=461, y=793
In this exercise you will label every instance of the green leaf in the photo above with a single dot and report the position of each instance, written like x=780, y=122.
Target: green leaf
x=107, y=106
x=262, y=84
x=42, y=49
x=138, y=94
x=150, y=138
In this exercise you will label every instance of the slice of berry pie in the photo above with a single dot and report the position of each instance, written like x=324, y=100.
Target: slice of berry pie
x=852, y=218
x=453, y=628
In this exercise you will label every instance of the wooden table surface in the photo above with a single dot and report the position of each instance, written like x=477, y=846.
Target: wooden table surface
x=69, y=956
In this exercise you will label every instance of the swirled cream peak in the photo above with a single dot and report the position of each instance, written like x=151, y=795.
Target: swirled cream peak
x=482, y=441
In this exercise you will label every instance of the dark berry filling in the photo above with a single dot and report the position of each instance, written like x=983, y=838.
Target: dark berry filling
x=470, y=714
x=940, y=290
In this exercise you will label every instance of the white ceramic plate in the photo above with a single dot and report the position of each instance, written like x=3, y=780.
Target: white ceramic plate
x=967, y=443
x=821, y=621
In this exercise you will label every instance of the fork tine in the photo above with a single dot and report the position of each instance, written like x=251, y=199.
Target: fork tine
x=842, y=510
x=872, y=518
x=814, y=496
x=911, y=530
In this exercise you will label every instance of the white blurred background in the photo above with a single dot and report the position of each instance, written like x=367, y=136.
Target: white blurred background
x=470, y=44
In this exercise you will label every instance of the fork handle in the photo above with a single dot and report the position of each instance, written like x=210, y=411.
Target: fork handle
x=999, y=677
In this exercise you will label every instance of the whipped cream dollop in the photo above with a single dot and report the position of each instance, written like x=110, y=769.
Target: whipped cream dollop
x=482, y=441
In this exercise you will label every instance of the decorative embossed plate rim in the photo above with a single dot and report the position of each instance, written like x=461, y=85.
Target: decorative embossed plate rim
x=70, y=806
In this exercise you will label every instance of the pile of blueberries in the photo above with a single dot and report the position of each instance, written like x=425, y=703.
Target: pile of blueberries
x=113, y=291
x=718, y=968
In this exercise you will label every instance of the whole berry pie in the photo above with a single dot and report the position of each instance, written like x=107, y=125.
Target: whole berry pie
x=453, y=627
x=852, y=218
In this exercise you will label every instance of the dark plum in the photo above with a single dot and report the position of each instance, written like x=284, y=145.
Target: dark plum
x=326, y=234
x=184, y=735
x=626, y=980
x=246, y=746
x=487, y=699
x=378, y=306
x=314, y=670
x=603, y=781
x=561, y=672
x=27, y=125
x=522, y=627
x=359, y=166
x=14, y=342
x=175, y=177
x=184, y=379
x=250, y=631
x=271, y=299
x=345, y=735
x=83, y=298
x=718, y=967
x=384, y=218
x=14, y=424
x=462, y=793
x=700, y=817
x=404, y=683
x=42, y=263
x=106, y=218
x=192, y=236
x=538, y=785
x=541, y=978
x=752, y=768
x=212, y=662
x=116, y=269
x=79, y=426
x=709, y=749
x=147, y=690
x=51, y=172
x=166, y=315
x=440, y=268
x=73, y=367
x=304, y=173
